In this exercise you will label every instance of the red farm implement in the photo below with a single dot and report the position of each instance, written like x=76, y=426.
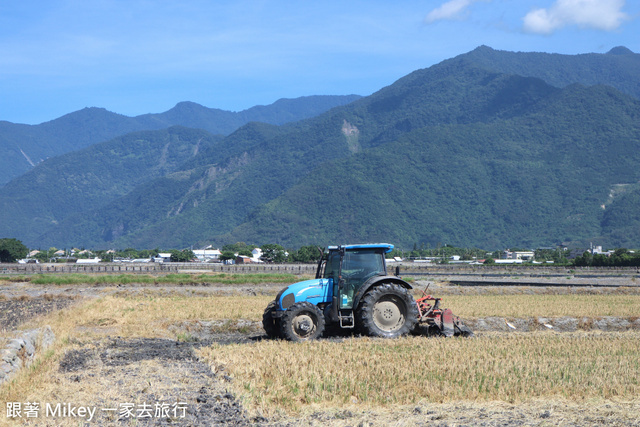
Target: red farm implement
x=437, y=320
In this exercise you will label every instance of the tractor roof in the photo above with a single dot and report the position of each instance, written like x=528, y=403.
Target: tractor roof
x=387, y=247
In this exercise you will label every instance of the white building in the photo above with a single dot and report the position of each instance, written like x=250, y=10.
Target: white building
x=207, y=255
x=256, y=253
x=95, y=260
x=162, y=257
x=522, y=255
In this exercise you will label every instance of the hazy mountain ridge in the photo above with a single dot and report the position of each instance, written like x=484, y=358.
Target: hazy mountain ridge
x=23, y=146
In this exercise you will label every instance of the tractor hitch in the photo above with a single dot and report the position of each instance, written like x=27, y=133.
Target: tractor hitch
x=439, y=321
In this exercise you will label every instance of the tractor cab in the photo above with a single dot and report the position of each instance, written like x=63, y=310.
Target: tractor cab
x=350, y=267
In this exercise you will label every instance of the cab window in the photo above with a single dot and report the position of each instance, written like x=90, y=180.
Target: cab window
x=332, y=267
x=359, y=265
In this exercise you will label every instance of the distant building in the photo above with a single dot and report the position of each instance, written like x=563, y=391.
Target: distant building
x=162, y=257
x=241, y=259
x=207, y=255
x=517, y=255
x=598, y=250
x=88, y=260
x=508, y=261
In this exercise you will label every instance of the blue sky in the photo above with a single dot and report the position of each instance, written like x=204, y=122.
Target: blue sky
x=142, y=56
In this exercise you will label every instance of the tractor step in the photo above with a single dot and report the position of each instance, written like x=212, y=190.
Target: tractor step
x=347, y=321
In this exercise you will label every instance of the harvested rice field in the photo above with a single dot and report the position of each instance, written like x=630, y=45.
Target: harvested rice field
x=194, y=353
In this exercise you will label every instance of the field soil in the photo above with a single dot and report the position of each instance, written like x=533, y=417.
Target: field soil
x=161, y=381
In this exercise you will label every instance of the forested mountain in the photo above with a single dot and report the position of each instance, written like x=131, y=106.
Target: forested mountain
x=24, y=146
x=619, y=67
x=83, y=180
x=457, y=153
x=527, y=181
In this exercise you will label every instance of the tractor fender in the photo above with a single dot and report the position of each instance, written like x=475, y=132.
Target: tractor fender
x=374, y=281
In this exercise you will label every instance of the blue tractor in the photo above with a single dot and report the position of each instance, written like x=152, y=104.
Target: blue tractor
x=352, y=289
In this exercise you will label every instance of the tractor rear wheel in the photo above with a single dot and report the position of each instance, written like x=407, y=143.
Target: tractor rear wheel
x=271, y=324
x=302, y=321
x=387, y=311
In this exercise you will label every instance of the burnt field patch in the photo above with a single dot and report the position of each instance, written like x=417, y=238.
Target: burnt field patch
x=18, y=310
x=149, y=381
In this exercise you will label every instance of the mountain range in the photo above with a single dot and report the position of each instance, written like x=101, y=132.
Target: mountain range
x=491, y=149
x=23, y=146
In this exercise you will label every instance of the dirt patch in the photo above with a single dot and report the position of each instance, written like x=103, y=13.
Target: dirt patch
x=441, y=288
x=18, y=310
x=534, y=413
x=559, y=324
x=149, y=381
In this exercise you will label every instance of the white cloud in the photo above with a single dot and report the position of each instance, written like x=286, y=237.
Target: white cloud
x=604, y=15
x=452, y=9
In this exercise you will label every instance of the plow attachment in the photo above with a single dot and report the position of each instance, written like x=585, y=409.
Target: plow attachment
x=439, y=321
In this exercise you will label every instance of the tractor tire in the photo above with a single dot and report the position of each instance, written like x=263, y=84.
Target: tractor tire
x=387, y=311
x=270, y=324
x=302, y=321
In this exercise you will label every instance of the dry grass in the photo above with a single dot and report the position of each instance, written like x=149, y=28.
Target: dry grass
x=149, y=316
x=520, y=306
x=274, y=375
x=280, y=376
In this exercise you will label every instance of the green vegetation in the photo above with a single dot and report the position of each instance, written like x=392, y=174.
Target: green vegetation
x=620, y=258
x=184, y=255
x=12, y=250
x=273, y=253
x=619, y=68
x=83, y=180
x=175, y=279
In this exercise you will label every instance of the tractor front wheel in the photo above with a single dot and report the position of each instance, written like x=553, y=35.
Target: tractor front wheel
x=302, y=321
x=271, y=324
x=387, y=311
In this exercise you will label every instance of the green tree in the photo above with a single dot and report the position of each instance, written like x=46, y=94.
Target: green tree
x=184, y=255
x=306, y=254
x=273, y=253
x=240, y=248
x=12, y=250
x=584, y=261
x=227, y=255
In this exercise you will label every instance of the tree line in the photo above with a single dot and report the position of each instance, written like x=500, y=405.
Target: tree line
x=620, y=258
x=12, y=250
